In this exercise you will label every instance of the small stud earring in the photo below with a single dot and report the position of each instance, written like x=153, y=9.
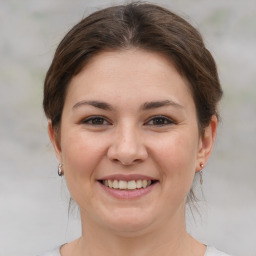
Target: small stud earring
x=60, y=171
x=201, y=165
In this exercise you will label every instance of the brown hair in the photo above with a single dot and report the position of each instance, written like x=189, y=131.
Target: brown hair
x=140, y=25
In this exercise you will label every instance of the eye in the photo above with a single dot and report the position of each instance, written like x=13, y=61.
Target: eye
x=96, y=120
x=160, y=121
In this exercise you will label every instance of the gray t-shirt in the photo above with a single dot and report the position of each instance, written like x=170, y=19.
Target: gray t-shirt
x=210, y=251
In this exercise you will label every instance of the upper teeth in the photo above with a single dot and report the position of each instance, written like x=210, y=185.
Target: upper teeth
x=122, y=184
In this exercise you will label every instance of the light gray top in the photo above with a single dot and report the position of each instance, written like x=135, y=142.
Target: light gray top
x=210, y=251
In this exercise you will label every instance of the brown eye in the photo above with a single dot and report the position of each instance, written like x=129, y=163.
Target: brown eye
x=96, y=120
x=160, y=121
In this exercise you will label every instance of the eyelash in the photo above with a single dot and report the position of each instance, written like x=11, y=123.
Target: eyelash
x=165, y=121
x=94, y=120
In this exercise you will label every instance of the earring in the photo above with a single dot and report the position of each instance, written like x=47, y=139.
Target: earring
x=201, y=177
x=201, y=173
x=60, y=171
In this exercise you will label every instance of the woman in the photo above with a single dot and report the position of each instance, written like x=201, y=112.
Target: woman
x=131, y=97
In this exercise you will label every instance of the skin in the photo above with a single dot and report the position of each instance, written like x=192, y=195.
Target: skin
x=127, y=138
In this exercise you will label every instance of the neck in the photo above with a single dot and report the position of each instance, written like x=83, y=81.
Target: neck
x=170, y=239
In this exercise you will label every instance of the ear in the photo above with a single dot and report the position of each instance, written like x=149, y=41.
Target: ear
x=206, y=143
x=55, y=141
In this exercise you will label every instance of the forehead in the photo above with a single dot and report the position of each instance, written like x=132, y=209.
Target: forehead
x=127, y=74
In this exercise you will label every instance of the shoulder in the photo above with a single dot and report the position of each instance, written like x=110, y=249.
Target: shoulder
x=54, y=252
x=212, y=251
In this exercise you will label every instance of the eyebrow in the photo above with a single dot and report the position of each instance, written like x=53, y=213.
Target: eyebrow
x=159, y=104
x=145, y=106
x=94, y=103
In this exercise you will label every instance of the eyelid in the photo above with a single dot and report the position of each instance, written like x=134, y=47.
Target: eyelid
x=87, y=120
x=91, y=118
x=170, y=120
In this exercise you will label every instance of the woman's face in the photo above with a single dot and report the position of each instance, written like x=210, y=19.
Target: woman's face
x=129, y=120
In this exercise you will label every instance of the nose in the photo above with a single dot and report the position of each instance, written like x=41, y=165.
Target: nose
x=127, y=147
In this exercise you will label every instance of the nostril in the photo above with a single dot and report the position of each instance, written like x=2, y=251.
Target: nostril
x=127, y=151
x=127, y=162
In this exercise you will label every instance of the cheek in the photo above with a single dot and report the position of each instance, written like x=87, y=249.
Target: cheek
x=81, y=155
x=177, y=149
x=176, y=157
x=81, y=150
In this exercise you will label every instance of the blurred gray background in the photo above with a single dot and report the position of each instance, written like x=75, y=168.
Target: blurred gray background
x=33, y=199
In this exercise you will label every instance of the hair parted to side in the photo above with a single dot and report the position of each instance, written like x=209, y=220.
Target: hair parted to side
x=135, y=25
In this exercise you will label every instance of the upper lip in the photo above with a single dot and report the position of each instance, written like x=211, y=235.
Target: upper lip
x=127, y=177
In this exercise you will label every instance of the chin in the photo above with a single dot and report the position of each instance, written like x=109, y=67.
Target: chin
x=128, y=222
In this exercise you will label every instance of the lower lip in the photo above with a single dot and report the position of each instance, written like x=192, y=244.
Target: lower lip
x=128, y=194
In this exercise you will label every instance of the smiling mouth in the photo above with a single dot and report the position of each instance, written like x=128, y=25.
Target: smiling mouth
x=127, y=185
